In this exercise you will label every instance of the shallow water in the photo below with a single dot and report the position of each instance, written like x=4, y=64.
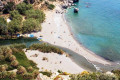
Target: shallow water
x=97, y=26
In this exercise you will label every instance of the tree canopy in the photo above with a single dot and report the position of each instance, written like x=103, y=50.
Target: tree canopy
x=15, y=15
x=23, y=7
x=9, y=7
x=36, y=14
x=30, y=25
x=3, y=26
x=14, y=26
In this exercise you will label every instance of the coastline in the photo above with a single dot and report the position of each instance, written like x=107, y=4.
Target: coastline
x=80, y=44
x=52, y=31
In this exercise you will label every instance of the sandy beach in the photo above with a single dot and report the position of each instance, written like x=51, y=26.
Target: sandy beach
x=53, y=62
x=57, y=32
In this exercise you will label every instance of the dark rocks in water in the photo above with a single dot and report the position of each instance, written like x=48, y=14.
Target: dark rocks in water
x=76, y=10
x=75, y=1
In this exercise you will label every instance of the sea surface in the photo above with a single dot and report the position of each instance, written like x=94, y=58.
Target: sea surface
x=97, y=26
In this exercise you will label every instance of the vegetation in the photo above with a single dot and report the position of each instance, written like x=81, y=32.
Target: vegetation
x=14, y=27
x=31, y=25
x=51, y=6
x=14, y=58
x=32, y=20
x=117, y=73
x=47, y=73
x=15, y=15
x=36, y=14
x=23, y=7
x=3, y=26
x=46, y=48
x=9, y=7
x=93, y=76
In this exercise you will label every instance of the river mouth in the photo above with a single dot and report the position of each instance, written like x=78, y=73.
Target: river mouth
x=77, y=58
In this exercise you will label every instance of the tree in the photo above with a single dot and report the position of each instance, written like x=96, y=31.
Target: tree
x=51, y=6
x=15, y=15
x=6, y=51
x=21, y=70
x=22, y=7
x=11, y=75
x=9, y=7
x=30, y=69
x=2, y=68
x=12, y=58
x=14, y=63
x=14, y=26
x=35, y=73
x=30, y=25
x=3, y=26
x=36, y=14
x=28, y=76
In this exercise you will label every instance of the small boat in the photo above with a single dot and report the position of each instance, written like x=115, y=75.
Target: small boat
x=76, y=10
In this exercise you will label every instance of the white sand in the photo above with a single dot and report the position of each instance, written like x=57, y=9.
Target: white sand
x=55, y=27
x=53, y=63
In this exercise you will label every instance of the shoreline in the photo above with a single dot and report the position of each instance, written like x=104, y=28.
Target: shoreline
x=57, y=31
x=80, y=44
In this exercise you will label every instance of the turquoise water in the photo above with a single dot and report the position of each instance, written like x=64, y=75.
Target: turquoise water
x=97, y=26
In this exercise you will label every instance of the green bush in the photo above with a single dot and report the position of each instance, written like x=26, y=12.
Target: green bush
x=14, y=63
x=9, y=7
x=36, y=14
x=11, y=75
x=51, y=6
x=44, y=47
x=22, y=7
x=47, y=73
x=16, y=56
x=31, y=25
x=35, y=73
x=28, y=76
x=14, y=26
x=15, y=15
x=18, y=46
x=93, y=76
x=117, y=73
x=21, y=70
x=3, y=26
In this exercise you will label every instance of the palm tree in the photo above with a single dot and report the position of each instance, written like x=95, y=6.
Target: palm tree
x=1, y=57
x=0, y=75
x=12, y=75
x=35, y=73
x=21, y=70
x=12, y=58
x=28, y=76
x=14, y=63
x=6, y=51
x=4, y=74
x=2, y=68
x=1, y=52
x=30, y=69
x=6, y=66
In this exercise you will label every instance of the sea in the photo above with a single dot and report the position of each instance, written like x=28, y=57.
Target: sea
x=97, y=26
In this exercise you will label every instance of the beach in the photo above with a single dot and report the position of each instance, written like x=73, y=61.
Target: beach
x=53, y=62
x=56, y=31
